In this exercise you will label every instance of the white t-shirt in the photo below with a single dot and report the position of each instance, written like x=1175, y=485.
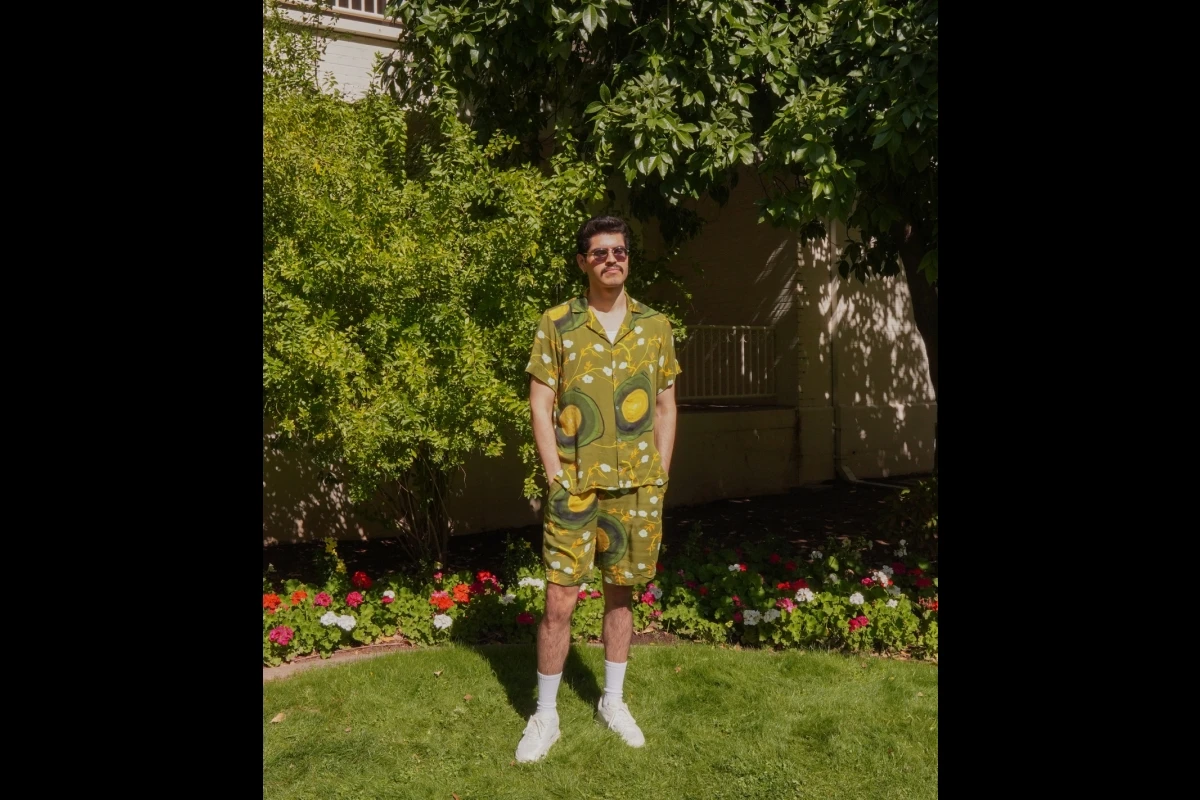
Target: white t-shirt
x=612, y=335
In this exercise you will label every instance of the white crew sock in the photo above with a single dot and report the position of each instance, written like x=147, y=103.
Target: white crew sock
x=547, y=701
x=614, y=681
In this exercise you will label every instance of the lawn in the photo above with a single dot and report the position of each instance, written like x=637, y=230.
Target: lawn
x=719, y=723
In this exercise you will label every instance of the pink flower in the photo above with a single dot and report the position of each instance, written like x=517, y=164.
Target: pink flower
x=692, y=585
x=595, y=593
x=583, y=595
x=859, y=622
x=785, y=603
x=737, y=601
x=648, y=598
x=866, y=581
x=282, y=635
x=680, y=573
x=385, y=599
x=737, y=616
x=354, y=599
x=322, y=599
x=656, y=613
x=774, y=558
x=524, y=618
x=437, y=576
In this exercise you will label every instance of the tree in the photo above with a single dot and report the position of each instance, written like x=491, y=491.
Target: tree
x=835, y=104
x=404, y=270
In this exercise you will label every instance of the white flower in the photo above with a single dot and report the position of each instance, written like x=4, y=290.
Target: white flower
x=771, y=615
x=607, y=579
x=605, y=468
x=555, y=565
x=550, y=381
x=346, y=622
x=816, y=554
x=572, y=358
x=641, y=512
x=623, y=365
x=390, y=594
x=887, y=571
x=658, y=482
x=442, y=621
x=903, y=542
x=329, y=618
x=569, y=570
x=586, y=535
x=661, y=359
x=535, y=582
x=856, y=599
x=654, y=513
x=583, y=587
x=638, y=329
x=833, y=578
x=641, y=341
x=735, y=567
x=580, y=474
x=599, y=348
x=651, y=368
x=654, y=590
x=653, y=499
x=643, y=533
x=901, y=552
x=894, y=590
x=751, y=617
x=545, y=358
x=508, y=598
x=642, y=445
x=892, y=603
x=880, y=577
x=645, y=459
x=588, y=379
x=804, y=595
x=608, y=371
x=628, y=574
x=587, y=547
x=671, y=382
x=641, y=566
x=541, y=334
x=567, y=343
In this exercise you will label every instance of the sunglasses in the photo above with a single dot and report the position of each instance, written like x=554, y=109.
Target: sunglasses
x=601, y=254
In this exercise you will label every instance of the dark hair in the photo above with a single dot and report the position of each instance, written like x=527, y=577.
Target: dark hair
x=597, y=225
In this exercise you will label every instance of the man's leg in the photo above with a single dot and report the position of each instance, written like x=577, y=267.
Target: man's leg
x=554, y=640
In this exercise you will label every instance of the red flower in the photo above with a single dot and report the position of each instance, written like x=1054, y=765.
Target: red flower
x=774, y=558
x=898, y=567
x=783, y=587
x=916, y=571
x=791, y=586
x=271, y=601
x=921, y=583
x=354, y=599
x=583, y=595
x=322, y=599
x=477, y=588
x=298, y=597
x=658, y=567
x=385, y=599
x=437, y=576
x=799, y=583
x=595, y=593
x=703, y=591
x=859, y=622
x=485, y=578
x=737, y=616
x=790, y=566
x=361, y=581
x=462, y=593
x=866, y=581
x=524, y=618
x=737, y=601
x=692, y=585
x=648, y=598
x=656, y=613
x=441, y=600
x=282, y=635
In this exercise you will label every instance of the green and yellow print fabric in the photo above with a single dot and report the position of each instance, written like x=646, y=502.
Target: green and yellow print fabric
x=606, y=393
x=618, y=532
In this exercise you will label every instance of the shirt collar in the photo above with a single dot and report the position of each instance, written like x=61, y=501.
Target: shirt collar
x=580, y=306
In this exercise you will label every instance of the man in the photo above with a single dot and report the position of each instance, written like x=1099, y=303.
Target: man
x=602, y=399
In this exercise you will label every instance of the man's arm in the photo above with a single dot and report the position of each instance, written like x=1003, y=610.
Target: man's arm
x=664, y=427
x=541, y=407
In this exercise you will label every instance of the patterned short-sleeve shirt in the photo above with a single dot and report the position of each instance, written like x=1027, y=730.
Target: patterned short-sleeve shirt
x=606, y=392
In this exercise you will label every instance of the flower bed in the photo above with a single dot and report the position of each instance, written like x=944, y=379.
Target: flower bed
x=847, y=594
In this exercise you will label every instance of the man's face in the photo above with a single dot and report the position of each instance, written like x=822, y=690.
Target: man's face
x=610, y=268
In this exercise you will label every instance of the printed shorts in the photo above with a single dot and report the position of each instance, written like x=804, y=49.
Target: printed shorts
x=618, y=531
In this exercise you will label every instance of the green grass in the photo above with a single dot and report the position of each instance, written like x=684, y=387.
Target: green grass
x=728, y=724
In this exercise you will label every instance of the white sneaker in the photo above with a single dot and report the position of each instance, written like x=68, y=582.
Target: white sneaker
x=617, y=717
x=540, y=734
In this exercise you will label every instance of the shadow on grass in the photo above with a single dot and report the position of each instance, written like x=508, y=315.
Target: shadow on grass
x=515, y=666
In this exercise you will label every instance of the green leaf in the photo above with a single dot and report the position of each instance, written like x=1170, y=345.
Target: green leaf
x=590, y=18
x=605, y=94
x=881, y=24
x=594, y=107
x=881, y=139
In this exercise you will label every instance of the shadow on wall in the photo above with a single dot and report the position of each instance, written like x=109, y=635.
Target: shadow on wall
x=302, y=502
x=885, y=406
